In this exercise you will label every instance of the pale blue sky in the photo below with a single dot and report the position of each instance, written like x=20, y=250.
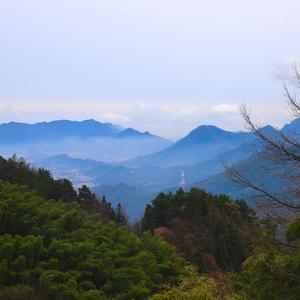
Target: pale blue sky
x=159, y=65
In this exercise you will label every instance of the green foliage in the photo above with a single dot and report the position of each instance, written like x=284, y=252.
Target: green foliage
x=192, y=287
x=271, y=276
x=293, y=230
x=195, y=287
x=207, y=229
x=18, y=171
x=65, y=254
x=56, y=243
x=18, y=292
x=120, y=215
x=273, y=272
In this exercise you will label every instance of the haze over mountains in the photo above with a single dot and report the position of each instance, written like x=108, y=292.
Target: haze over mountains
x=255, y=167
x=85, y=139
x=129, y=166
x=201, y=144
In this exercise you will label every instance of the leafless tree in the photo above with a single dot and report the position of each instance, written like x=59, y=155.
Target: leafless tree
x=276, y=186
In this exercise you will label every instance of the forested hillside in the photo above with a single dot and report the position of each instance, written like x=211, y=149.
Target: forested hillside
x=58, y=243
x=18, y=171
x=52, y=249
x=243, y=257
x=208, y=230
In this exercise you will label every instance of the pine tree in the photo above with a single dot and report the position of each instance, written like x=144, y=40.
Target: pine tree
x=120, y=215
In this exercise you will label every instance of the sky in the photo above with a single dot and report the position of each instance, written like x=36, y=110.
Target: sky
x=165, y=66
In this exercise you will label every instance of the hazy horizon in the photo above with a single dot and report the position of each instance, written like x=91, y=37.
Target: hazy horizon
x=159, y=66
x=144, y=131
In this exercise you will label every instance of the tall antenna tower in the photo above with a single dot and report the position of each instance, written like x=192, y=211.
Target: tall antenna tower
x=182, y=179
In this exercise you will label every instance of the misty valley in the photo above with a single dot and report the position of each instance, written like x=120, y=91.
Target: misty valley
x=130, y=167
x=90, y=210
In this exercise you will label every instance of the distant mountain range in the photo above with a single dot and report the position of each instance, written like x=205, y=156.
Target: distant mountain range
x=85, y=139
x=15, y=133
x=254, y=167
x=202, y=144
x=153, y=164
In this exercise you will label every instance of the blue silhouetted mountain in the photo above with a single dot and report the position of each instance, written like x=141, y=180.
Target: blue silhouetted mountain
x=64, y=161
x=133, y=198
x=253, y=165
x=201, y=144
x=15, y=132
x=82, y=139
x=130, y=132
x=134, y=186
x=256, y=169
x=292, y=128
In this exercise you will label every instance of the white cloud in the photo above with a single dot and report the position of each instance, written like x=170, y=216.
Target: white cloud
x=225, y=108
x=172, y=119
x=190, y=111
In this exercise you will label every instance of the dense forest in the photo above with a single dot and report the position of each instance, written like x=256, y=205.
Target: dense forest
x=51, y=249
x=18, y=171
x=58, y=243
x=207, y=229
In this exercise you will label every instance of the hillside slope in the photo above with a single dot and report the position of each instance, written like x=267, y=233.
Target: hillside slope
x=201, y=144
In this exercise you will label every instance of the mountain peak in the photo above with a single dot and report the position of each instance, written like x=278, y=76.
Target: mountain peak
x=206, y=134
x=15, y=132
x=130, y=132
x=292, y=127
x=267, y=129
x=61, y=156
x=207, y=129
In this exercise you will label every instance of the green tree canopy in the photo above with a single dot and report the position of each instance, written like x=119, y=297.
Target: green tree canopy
x=56, y=250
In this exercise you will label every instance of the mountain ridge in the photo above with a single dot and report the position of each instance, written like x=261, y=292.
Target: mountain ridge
x=81, y=139
x=202, y=143
x=26, y=132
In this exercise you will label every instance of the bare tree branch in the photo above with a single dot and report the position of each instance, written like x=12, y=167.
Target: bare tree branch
x=277, y=162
